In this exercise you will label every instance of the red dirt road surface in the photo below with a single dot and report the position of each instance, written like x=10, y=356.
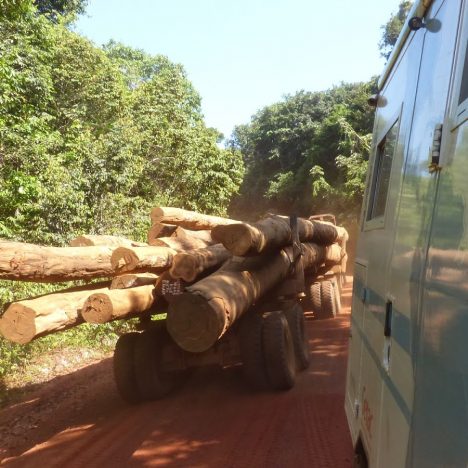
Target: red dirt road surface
x=78, y=420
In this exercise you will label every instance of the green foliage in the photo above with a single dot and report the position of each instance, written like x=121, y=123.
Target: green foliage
x=392, y=28
x=307, y=154
x=90, y=139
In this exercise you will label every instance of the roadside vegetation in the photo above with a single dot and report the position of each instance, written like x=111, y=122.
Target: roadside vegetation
x=92, y=137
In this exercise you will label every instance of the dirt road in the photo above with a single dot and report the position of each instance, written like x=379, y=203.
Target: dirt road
x=78, y=420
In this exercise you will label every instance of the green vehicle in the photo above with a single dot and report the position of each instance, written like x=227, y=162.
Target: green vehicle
x=407, y=381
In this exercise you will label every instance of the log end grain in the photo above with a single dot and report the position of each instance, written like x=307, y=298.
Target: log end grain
x=193, y=324
x=237, y=238
x=124, y=260
x=97, y=308
x=18, y=324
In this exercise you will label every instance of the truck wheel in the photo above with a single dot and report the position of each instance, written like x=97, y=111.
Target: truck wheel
x=296, y=321
x=316, y=297
x=337, y=295
x=278, y=348
x=251, y=349
x=328, y=309
x=153, y=383
x=124, y=370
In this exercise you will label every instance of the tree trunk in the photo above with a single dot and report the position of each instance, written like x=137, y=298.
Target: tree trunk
x=110, y=241
x=25, y=320
x=104, y=306
x=202, y=314
x=203, y=235
x=187, y=219
x=132, y=280
x=179, y=244
x=142, y=259
x=269, y=234
x=189, y=265
x=29, y=262
x=160, y=230
x=167, y=286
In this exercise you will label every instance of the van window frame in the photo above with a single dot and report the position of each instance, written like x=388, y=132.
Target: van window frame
x=460, y=114
x=379, y=221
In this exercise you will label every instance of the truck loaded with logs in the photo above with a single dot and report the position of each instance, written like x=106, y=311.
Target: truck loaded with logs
x=205, y=289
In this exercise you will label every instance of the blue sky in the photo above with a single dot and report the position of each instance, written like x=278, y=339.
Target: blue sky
x=242, y=55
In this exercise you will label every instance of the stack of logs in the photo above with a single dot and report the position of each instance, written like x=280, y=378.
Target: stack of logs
x=205, y=271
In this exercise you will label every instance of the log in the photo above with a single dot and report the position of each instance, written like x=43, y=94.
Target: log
x=26, y=320
x=30, y=262
x=141, y=259
x=160, y=230
x=203, y=235
x=271, y=233
x=111, y=241
x=104, y=306
x=243, y=239
x=132, y=280
x=179, y=244
x=202, y=314
x=187, y=219
x=167, y=286
x=189, y=265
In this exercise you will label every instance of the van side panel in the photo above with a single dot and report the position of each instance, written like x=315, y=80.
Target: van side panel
x=440, y=423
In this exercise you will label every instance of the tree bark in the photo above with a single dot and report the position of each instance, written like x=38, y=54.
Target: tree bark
x=187, y=219
x=87, y=240
x=179, y=244
x=189, y=265
x=141, y=259
x=26, y=320
x=271, y=233
x=29, y=262
x=104, y=306
x=132, y=280
x=160, y=230
x=202, y=314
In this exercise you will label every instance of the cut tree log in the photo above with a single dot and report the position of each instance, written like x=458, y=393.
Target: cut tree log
x=167, y=286
x=269, y=234
x=187, y=219
x=30, y=262
x=132, y=280
x=160, y=230
x=141, y=259
x=26, y=320
x=189, y=265
x=87, y=240
x=183, y=233
x=179, y=244
x=104, y=306
x=243, y=239
x=198, y=317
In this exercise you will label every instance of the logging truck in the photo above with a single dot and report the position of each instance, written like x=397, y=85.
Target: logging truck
x=407, y=379
x=248, y=312
x=224, y=292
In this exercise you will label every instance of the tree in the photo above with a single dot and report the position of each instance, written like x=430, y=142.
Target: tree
x=54, y=9
x=392, y=28
x=307, y=153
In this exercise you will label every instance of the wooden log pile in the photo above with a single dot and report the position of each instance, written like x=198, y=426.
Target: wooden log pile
x=207, y=271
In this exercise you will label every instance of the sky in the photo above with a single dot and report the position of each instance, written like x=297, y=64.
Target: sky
x=242, y=55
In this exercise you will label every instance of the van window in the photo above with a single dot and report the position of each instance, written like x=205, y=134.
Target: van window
x=464, y=82
x=381, y=178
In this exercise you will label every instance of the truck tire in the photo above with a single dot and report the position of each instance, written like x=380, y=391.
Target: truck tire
x=296, y=321
x=328, y=309
x=153, y=383
x=337, y=294
x=280, y=361
x=251, y=350
x=124, y=369
x=315, y=294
